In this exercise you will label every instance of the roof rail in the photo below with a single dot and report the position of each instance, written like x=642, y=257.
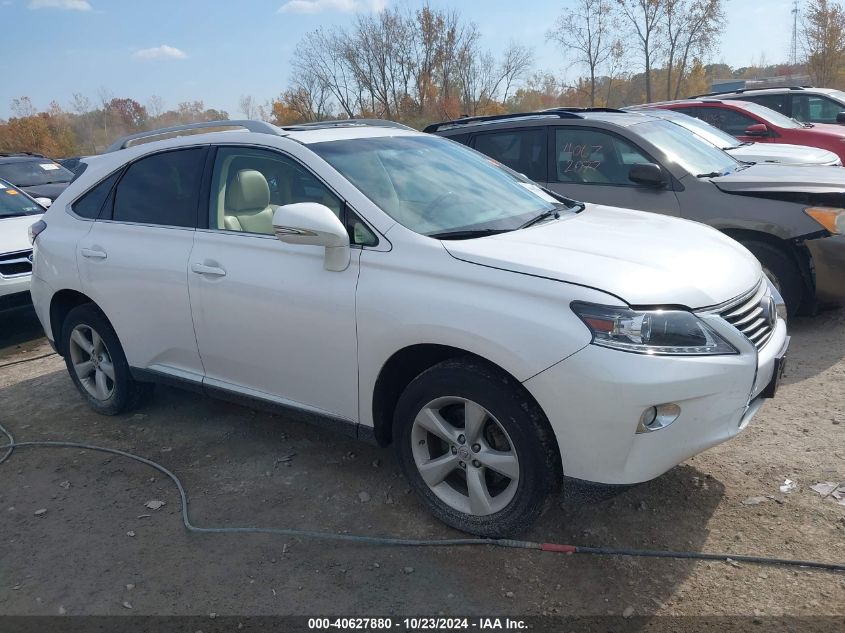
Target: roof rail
x=318, y=125
x=261, y=127
x=740, y=91
x=582, y=109
x=21, y=154
x=494, y=118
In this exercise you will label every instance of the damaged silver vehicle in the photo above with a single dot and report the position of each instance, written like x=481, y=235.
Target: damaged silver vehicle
x=791, y=218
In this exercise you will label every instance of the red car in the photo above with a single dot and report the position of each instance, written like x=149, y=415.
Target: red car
x=752, y=122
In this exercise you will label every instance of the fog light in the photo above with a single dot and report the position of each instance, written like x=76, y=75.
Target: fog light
x=658, y=417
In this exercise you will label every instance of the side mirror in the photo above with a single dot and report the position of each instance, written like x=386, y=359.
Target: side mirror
x=44, y=202
x=647, y=174
x=758, y=129
x=310, y=223
x=840, y=118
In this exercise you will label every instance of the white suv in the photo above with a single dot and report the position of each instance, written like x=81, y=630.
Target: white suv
x=407, y=290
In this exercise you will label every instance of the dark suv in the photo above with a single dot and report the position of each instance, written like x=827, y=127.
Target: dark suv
x=38, y=176
x=791, y=218
x=803, y=103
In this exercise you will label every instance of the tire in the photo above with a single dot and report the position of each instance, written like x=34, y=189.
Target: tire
x=506, y=419
x=102, y=378
x=782, y=270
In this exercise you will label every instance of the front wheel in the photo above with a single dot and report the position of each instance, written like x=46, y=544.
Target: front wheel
x=476, y=448
x=97, y=364
x=782, y=271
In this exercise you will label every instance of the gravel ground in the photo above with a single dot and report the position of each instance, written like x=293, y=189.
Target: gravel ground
x=76, y=536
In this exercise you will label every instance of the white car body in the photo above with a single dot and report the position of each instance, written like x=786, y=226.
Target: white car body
x=281, y=328
x=784, y=154
x=15, y=253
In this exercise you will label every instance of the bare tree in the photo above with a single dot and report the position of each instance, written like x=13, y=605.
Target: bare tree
x=586, y=32
x=645, y=18
x=248, y=106
x=691, y=28
x=155, y=106
x=517, y=60
x=823, y=40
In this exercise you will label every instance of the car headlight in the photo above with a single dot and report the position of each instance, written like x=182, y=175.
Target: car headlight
x=831, y=218
x=659, y=332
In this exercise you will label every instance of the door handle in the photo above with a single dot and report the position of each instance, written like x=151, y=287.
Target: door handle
x=93, y=253
x=211, y=271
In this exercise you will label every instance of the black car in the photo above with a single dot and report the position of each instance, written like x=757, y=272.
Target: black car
x=38, y=176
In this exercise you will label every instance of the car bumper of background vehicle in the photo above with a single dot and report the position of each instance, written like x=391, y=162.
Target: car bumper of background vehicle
x=829, y=259
x=14, y=291
x=594, y=400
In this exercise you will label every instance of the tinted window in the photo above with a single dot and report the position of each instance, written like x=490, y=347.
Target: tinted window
x=524, y=151
x=161, y=189
x=775, y=102
x=38, y=171
x=89, y=205
x=594, y=157
x=731, y=121
x=815, y=108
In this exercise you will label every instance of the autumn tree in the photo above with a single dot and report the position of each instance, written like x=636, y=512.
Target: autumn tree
x=690, y=29
x=586, y=33
x=823, y=40
x=644, y=17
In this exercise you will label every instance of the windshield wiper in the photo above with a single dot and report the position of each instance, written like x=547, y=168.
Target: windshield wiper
x=712, y=174
x=550, y=213
x=466, y=234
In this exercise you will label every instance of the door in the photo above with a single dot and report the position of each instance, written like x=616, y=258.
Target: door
x=815, y=108
x=271, y=321
x=592, y=165
x=732, y=121
x=134, y=260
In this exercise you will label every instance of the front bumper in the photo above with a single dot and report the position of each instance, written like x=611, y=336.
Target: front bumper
x=14, y=291
x=829, y=260
x=594, y=400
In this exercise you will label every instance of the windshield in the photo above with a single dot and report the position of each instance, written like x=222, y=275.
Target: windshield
x=709, y=133
x=694, y=154
x=772, y=116
x=14, y=203
x=432, y=185
x=29, y=173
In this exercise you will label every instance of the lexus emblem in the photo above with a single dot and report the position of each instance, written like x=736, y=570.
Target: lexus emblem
x=770, y=311
x=29, y=257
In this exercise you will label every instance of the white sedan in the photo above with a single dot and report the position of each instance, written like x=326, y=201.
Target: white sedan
x=17, y=213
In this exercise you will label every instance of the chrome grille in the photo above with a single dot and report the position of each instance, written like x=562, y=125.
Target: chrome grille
x=16, y=264
x=755, y=315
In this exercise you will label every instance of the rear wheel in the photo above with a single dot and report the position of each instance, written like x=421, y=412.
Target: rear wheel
x=475, y=447
x=97, y=364
x=782, y=271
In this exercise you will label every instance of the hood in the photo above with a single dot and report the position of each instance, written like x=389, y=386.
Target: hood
x=783, y=154
x=46, y=191
x=642, y=258
x=782, y=178
x=14, y=235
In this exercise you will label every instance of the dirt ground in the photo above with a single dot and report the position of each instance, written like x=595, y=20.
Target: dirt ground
x=98, y=550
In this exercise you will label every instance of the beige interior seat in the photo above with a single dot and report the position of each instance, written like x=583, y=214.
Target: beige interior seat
x=247, y=206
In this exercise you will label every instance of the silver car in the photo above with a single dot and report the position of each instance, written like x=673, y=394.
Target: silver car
x=792, y=218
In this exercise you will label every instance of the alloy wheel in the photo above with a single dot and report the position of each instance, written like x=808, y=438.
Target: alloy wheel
x=92, y=362
x=465, y=456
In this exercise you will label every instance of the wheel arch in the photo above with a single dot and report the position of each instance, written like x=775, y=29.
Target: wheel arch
x=61, y=304
x=795, y=249
x=405, y=365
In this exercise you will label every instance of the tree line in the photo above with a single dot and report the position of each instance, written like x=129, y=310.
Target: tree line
x=426, y=64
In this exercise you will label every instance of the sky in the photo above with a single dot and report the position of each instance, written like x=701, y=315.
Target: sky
x=216, y=51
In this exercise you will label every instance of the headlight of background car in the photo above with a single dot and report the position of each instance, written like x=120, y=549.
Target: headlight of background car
x=663, y=332
x=831, y=218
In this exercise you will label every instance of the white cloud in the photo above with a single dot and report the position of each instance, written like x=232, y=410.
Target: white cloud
x=344, y=6
x=70, y=5
x=159, y=52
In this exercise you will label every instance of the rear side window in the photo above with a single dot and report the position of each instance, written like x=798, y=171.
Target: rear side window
x=733, y=122
x=523, y=151
x=90, y=205
x=161, y=189
x=775, y=102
